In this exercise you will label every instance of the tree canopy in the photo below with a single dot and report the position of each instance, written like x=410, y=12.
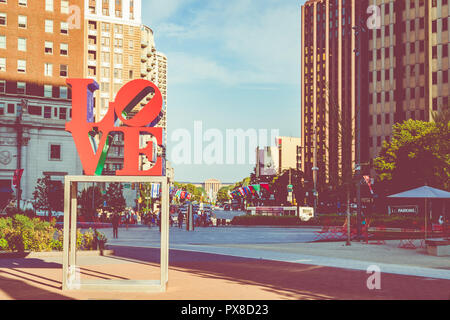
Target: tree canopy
x=417, y=154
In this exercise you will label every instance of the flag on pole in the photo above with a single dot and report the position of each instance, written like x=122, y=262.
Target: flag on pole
x=17, y=177
x=367, y=179
x=155, y=190
x=265, y=186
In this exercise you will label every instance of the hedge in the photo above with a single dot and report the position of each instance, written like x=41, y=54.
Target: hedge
x=21, y=233
x=408, y=222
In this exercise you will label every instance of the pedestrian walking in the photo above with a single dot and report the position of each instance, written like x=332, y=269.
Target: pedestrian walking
x=115, y=224
x=180, y=219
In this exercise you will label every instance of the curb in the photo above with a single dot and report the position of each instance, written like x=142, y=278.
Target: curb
x=54, y=254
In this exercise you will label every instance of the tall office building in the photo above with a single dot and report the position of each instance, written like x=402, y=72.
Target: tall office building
x=41, y=45
x=113, y=46
x=409, y=65
x=161, y=82
x=329, y=88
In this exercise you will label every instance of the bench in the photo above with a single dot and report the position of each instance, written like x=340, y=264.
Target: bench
x=438, y=247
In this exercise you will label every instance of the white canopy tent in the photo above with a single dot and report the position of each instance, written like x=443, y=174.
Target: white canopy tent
x=426, y=193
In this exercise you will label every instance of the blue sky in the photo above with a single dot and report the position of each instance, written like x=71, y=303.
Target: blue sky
x=232, y=65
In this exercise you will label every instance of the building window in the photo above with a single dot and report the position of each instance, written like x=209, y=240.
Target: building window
x=2, y=86
x=118, y=73
x=48, y=91
x=64, y=28
x=11, y=108
x=104, y=86
x=118, y=43
x=118, y=28
x=2, y=42
x=23, y=3
x=2, y=108
x=48, y=48
x=105, y=72
x=48, y=5
x=35, y=110
x=105, y=27
x=92, y=71
x=64, y=49
x=22, y=44
x=63, y=92
x=65, y=6
x=3, y=19
x=47, y=112
x=22, y=20
x=118, y=58
x=62, y=113
x=55, y=152
x=49, y=26
x=21, y=86
x=63, y=70
x=21, y=66
x=105, y=41
x=48, y=70
x=2, y=64
x=130, y=74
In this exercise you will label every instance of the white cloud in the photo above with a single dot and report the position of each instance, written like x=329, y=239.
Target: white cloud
x=160, y=10
x=235, y=41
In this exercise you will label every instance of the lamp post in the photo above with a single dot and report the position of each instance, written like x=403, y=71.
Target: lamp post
x=20, y=110
x=359, y=29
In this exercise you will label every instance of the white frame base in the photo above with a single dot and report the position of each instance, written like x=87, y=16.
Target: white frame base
x=70, y=233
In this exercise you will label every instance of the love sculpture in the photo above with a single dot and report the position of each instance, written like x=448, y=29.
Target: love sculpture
x=83, y=126
x=93, y=140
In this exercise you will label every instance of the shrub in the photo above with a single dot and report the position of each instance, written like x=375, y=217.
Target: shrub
x=25, y=234
x=21, y=233
x=3, y=245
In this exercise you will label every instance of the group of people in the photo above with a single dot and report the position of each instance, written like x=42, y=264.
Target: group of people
x=201, y=219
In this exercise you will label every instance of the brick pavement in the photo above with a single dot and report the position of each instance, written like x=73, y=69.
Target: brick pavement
x=204, y=276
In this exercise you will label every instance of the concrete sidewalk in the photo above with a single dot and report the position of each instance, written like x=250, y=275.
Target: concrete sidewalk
x=359, y=256
x=208, y=276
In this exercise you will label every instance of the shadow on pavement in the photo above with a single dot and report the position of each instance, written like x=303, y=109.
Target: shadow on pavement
x=293, y=280
x=16, y=283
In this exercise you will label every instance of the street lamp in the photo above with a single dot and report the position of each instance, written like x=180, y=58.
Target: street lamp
x=358, y=30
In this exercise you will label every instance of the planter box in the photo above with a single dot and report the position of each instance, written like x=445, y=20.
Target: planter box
x=438, y=248
x=39, y=255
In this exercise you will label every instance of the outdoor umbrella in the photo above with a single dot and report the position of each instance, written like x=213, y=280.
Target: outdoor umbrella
x=426, y=193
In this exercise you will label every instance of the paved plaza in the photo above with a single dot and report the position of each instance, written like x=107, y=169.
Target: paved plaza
x=228, y=263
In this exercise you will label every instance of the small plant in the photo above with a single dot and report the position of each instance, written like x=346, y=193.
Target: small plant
x=3, y=245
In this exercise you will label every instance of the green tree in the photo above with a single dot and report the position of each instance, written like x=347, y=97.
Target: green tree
x=90, y=200
x=418, y=154
x=280, y=183
x=114, y=198
x=222, y=194
x=48, y=195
